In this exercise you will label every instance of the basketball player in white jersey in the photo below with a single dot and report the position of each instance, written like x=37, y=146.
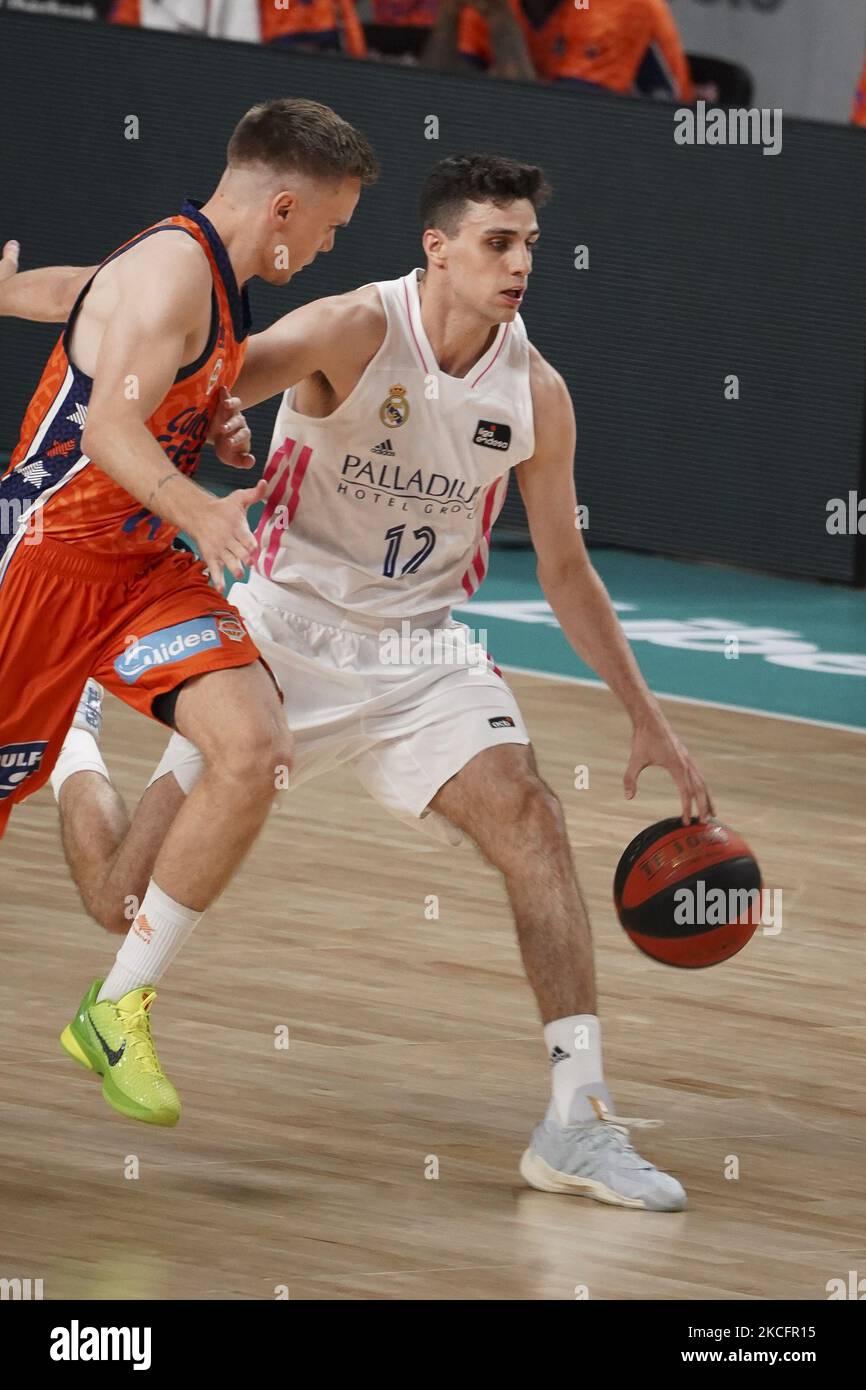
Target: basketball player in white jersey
x=408, y=403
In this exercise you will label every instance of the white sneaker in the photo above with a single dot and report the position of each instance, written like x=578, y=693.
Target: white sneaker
x=595, y=1159
x=88, y=714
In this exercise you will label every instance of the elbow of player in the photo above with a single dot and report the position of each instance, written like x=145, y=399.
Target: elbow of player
x=562, y=573
x=64, y=303
x=68, y=291
x=94, y=438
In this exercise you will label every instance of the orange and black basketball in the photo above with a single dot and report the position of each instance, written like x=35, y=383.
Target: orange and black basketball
x=688, y=895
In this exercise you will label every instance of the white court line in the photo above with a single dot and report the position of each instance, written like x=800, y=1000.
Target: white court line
x=689, y=700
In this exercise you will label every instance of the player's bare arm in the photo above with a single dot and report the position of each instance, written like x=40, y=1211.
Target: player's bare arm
x=45, y=295
x=331, y=338
x=578, y=597
x=48, y=295
x=145, y=317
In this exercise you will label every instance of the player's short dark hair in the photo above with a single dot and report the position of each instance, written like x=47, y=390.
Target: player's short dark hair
x=293, y=134
x=477, y=178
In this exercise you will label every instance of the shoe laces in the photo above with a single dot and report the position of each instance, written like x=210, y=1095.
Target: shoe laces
x=137, y=1027
x=621, y=1123
x=613, y=1130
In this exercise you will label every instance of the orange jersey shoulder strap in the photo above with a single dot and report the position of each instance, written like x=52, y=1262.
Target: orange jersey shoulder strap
x=49, y=471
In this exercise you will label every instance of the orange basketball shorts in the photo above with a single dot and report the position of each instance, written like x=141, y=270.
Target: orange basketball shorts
x=66, y=614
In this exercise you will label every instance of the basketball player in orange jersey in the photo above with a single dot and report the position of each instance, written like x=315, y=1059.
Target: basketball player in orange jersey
x=408, y=403
x=97, y=489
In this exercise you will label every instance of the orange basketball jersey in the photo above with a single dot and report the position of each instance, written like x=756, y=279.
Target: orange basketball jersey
x=50, y=474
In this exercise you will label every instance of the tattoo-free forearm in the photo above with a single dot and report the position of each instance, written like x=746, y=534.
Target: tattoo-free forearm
x=588, y=618
x=46, y=295
x=131, y=457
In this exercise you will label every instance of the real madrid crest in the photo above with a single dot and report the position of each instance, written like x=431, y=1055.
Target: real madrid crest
x=394, y=411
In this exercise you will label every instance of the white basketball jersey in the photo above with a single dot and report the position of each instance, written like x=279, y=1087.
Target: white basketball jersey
x=384, y=507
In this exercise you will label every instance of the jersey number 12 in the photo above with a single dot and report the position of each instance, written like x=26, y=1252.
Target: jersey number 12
x=394, y=537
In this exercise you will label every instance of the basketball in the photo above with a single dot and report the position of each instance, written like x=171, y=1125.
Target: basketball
x=688, y=895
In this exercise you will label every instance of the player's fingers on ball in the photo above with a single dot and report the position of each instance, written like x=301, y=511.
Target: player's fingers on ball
x=683, y=782
x=698, y=792
x=701, y=795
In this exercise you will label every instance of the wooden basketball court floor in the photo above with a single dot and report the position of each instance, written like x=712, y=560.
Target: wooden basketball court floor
x=302, y=1170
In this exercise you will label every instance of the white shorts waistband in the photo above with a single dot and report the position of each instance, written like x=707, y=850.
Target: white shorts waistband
x=310, y=605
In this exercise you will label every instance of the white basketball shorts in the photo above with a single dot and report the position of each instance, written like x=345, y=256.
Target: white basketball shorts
x=407, y=706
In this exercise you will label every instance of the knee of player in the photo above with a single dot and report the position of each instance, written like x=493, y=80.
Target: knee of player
x=258, y=756
x=534, y=810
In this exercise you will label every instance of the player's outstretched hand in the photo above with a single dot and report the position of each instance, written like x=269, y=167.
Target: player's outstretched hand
x=9, y=260
x=656, y=745
x=230, y=433
x=224, y=539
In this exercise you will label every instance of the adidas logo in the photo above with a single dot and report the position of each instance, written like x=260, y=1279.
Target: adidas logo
x=79, y=415
x=557, y=1055
x=383, y=448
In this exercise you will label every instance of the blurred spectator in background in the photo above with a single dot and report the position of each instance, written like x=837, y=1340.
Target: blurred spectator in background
x=858, y=115
x=310, y=25
x=220, y=19
x=720, y=83
x=313, y=25
x=400, y=28
x=624, y=46
x=488, y=36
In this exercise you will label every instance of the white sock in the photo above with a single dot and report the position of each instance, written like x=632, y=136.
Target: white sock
x=160, y=928
x=574, y=1048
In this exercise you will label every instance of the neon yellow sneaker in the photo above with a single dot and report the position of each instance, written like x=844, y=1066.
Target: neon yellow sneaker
x=114, y=1041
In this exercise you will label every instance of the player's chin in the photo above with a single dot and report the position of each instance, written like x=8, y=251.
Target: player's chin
x=277, y=277
x=507, y=307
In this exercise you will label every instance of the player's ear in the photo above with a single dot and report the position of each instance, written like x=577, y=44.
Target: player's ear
x=282, y=205
x=433, y=242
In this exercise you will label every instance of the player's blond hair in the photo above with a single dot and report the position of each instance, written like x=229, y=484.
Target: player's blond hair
x=293, y=134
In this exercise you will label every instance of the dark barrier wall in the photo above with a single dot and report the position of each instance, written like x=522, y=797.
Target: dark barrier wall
x=703, y=262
